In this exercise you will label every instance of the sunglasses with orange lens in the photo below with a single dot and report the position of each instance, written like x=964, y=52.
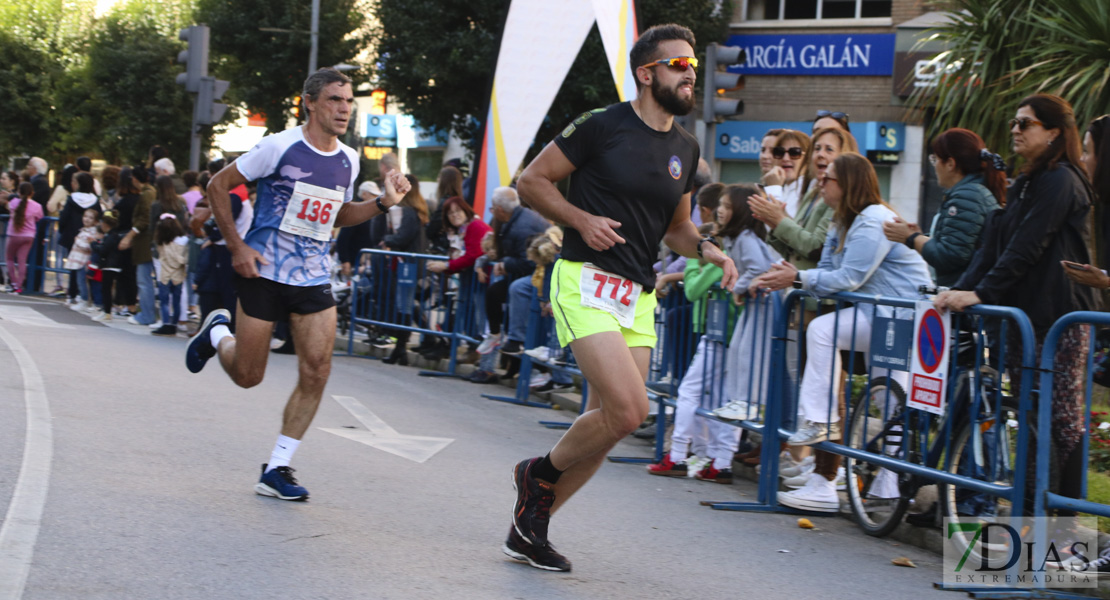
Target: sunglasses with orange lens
x=676, y=62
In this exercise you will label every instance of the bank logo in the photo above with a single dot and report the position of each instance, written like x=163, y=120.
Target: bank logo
x=674, y=167
x=1013, y=552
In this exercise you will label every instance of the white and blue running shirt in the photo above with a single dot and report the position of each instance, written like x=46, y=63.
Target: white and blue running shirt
x=284, y=163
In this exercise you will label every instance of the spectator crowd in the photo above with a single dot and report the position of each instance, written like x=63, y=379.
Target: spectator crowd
x=138, y=243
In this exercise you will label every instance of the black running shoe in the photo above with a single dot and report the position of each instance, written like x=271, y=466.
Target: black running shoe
x=542, y=557
x=534, y=498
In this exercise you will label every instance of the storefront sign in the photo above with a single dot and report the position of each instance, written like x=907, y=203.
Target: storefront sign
x=826, y=54
x=380, y=126
x=740, y=140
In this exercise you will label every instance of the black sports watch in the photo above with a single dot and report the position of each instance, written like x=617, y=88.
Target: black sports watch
x=709, y=239
x=381, y=207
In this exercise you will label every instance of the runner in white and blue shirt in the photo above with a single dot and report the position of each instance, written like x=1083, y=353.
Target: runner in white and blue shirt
x=306, y=180
x=285, y=165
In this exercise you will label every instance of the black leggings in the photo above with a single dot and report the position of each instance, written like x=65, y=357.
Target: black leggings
x=107, y=278
x=496, y=295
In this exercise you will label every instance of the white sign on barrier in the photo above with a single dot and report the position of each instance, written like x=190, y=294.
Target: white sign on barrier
x=928, y=368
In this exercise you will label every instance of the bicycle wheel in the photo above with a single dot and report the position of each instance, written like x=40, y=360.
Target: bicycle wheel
x=984, y=448
x=875, y=494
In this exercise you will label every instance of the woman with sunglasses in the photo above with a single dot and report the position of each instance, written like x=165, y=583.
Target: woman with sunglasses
x=975, y=185
x=856, y=257
x=1045, y=221
x=788, y=179
x=831, y=118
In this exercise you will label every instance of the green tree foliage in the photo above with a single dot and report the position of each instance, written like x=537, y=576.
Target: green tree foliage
x=1003, y=50
x=26, y=84
x=436, y=58
x=267, y=69
x=125, y=100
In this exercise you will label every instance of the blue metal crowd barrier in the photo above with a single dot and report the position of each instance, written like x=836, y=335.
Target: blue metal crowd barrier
x=46, y=256
x=400, y=294
x=771, y=414
x=1046, y=499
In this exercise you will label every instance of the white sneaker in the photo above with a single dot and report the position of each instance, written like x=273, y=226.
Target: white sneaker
x=801, y=479
x=155, y=325
x=734, y=411
x=545, y=354
x=103, y=317
x=490, y=343
x=796, y=468
x=813, y=432
x=841, y=481
x=885, y=485
x=538, y=379
x=79, y=306
x=132, y=320
x=695, y=463
x=818, y=494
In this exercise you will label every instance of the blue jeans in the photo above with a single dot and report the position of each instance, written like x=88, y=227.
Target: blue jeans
x=169, y=294
x=82, y=282
x=521, y=293
x=144, y=279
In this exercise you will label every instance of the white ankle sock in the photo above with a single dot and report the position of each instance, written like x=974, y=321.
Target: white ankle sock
x=283, y=452
x=218, y=333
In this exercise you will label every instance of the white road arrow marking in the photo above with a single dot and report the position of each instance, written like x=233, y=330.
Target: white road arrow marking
x=417, y=448
x=25, y=315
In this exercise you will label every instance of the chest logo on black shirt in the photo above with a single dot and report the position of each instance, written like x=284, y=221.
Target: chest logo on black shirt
x=674, y=167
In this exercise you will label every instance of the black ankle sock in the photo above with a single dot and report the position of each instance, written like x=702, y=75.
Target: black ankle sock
x=546, y=471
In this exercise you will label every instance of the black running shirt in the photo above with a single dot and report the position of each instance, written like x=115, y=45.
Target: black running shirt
x=632, y=174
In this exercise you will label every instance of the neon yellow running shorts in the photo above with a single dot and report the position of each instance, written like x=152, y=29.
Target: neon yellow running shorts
x=574, y=321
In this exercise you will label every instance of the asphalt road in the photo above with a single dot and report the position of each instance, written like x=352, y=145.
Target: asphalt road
x=146, y=472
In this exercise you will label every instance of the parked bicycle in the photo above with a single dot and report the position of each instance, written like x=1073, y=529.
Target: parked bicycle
x=976, y=436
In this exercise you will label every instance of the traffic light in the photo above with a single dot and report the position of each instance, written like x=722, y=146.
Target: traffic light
x=207, y=110
x=719, y=82
x=297, y=107
x=195, y=57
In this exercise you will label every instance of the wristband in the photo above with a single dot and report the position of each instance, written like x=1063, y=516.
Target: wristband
x=381, y=207
x=704, y=240
x=909, y=240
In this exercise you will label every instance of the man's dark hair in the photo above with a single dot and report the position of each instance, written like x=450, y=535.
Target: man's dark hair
x=140, y=174
x=215, y=165
x=646, y=48
x=84, y=183
x=318, y=81
x=83, y=164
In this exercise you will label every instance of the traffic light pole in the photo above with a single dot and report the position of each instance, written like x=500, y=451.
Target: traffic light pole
x=207, y=90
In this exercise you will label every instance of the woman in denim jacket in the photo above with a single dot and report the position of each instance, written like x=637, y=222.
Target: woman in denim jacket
x=857, y=257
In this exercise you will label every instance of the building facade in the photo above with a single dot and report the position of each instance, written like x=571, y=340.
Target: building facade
x=849, y=56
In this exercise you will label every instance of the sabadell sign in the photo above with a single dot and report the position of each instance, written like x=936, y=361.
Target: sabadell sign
x=826, y=54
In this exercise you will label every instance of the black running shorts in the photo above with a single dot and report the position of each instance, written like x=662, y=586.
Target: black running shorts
x=271, y=301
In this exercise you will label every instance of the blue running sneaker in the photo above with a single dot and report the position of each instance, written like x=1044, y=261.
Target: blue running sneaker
x=279, y=483
x=542, y=557
x=199, y=349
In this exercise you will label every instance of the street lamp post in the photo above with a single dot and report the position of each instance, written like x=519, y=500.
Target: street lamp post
x=314, y=33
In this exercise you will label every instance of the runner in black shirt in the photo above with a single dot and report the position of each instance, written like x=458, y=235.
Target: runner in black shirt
x=633, y=172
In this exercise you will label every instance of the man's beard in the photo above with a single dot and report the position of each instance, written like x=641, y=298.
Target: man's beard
x=669, y=100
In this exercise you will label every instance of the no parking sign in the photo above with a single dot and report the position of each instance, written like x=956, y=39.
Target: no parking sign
x=929, y=366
